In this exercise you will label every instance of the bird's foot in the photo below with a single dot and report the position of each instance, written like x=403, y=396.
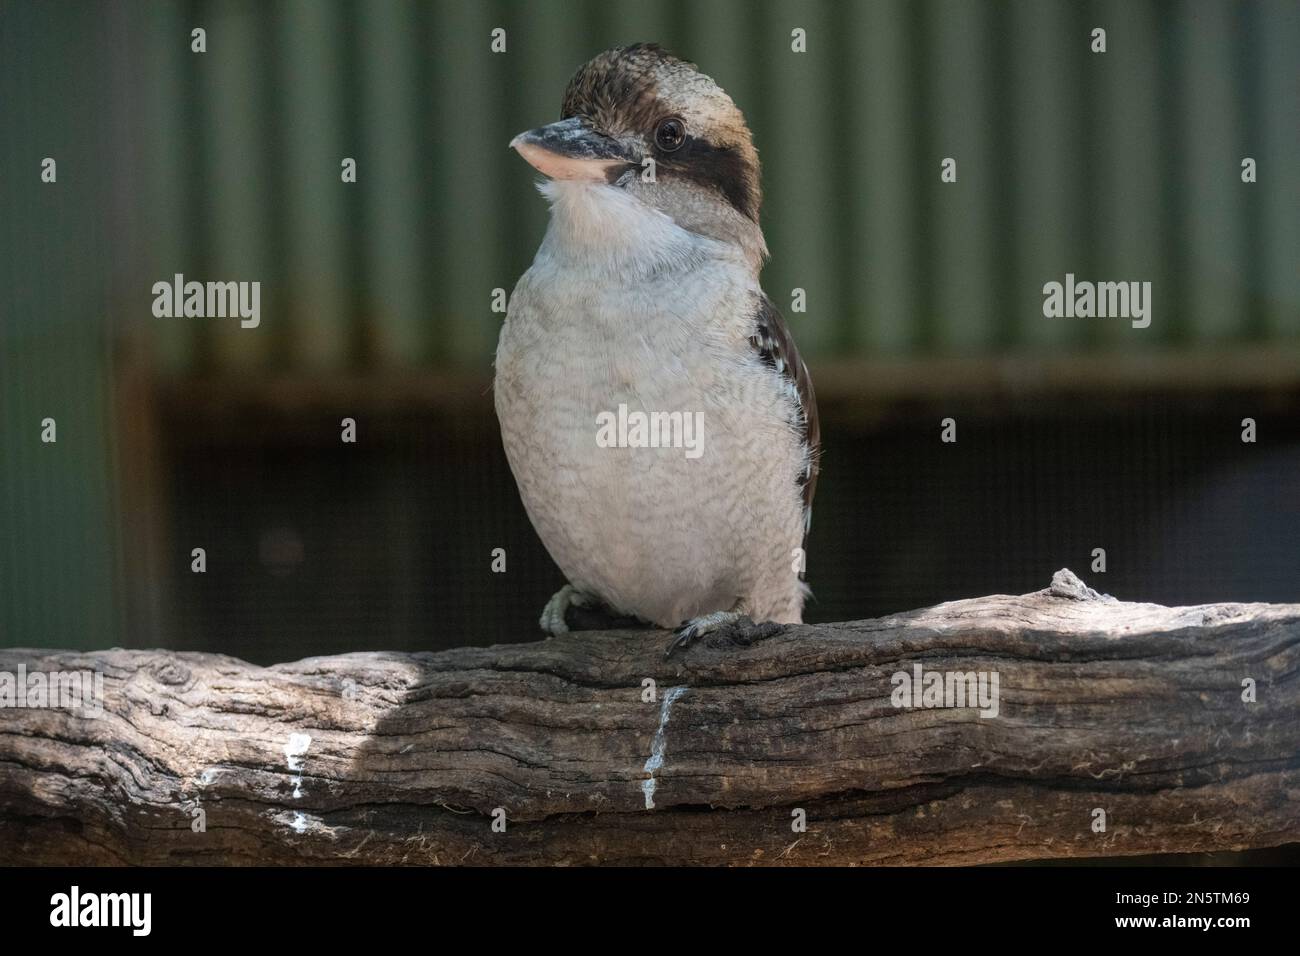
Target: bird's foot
x=553, y=621
x=732, y=625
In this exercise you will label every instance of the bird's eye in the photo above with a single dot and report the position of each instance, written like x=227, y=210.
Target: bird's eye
x=670, y=134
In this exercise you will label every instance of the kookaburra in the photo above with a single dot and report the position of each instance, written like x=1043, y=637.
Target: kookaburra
x=644, y=297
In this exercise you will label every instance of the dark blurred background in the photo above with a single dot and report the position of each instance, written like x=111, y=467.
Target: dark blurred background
x=924, y=302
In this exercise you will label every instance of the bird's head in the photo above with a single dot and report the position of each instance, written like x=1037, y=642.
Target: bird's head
x=642, y=121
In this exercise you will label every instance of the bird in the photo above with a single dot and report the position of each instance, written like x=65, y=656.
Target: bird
x=644, y=297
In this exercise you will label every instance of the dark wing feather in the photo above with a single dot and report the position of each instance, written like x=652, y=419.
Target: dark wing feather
x=776, y=349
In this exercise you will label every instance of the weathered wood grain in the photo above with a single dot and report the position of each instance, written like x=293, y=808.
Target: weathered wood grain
x=1135, y=709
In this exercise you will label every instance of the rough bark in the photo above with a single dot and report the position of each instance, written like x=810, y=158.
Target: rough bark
x=1134, y=709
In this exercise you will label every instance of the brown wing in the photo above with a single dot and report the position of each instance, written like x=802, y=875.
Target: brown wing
x=776, y=349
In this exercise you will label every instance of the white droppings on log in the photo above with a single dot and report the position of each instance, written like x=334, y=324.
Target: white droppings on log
x=656, y=760
x=300, y=823
x=293, y=753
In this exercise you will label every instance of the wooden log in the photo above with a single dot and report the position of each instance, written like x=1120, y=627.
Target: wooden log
x=1180, y=725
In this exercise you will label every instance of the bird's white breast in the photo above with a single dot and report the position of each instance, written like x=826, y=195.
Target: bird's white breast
x=622, y=307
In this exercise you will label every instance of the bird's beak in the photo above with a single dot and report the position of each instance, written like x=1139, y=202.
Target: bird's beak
x=571, y=149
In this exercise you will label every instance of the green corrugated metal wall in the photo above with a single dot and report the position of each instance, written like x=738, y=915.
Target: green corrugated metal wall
x=226, y=166
x=57, y=547
x=1123, y=165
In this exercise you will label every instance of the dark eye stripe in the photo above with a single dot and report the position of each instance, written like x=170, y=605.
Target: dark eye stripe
x=718, y=167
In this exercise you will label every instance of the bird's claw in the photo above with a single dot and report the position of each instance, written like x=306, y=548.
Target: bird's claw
x=739, y=628
x=681, y=637
x=552, y=620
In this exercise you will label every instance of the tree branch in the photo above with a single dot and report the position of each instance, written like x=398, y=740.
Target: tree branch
x=1136, y=710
